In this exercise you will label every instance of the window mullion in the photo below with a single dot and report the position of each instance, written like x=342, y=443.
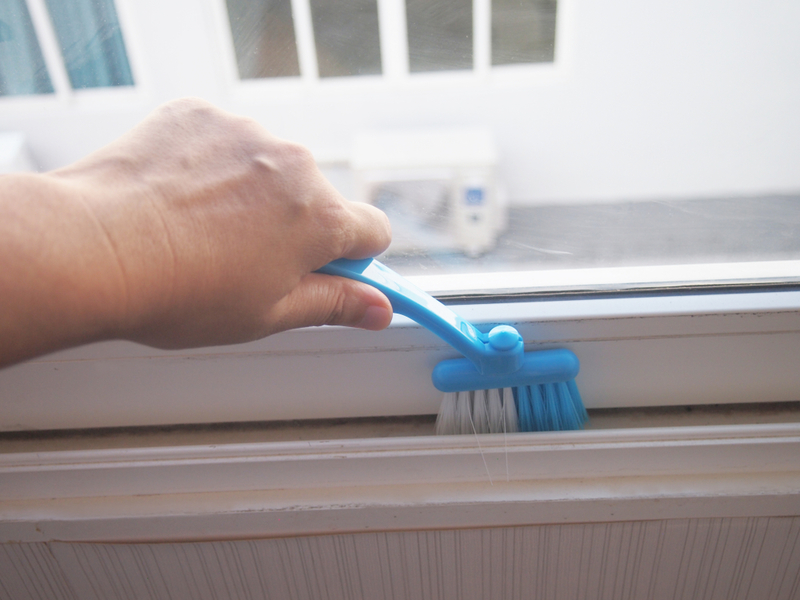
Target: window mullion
x=304, y=33
x=50, y=48
x=394, y=38
x=482, y=35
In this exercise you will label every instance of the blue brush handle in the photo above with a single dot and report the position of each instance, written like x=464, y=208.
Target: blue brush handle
x=496, y=353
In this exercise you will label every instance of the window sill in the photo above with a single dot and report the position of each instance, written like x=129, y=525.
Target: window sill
x=333, y=486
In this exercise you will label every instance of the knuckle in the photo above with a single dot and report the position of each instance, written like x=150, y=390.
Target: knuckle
x=189, y=106
x=296, y=156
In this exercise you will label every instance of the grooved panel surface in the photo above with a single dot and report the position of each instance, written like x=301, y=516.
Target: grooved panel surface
x=730, y=559
x=29, y=571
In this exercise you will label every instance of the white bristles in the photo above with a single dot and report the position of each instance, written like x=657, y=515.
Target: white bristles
x=464, y=413
x=446, y=421
x=495, y=409
x=510, y=411
x=482, y=411
x=480, y=414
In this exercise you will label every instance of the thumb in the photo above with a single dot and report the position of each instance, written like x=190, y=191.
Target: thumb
x=327, y=300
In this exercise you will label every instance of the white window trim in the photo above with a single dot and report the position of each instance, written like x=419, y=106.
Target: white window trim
x=63, y=93
x=394, y=57
x=659, y=278
x=651, y=350
x=301, y=488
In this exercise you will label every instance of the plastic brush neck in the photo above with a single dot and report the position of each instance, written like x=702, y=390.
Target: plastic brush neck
x=497, y=353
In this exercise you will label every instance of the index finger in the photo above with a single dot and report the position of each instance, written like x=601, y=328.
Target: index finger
x=367, y=233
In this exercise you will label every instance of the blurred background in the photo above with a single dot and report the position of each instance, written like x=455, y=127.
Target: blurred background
x=499, y=135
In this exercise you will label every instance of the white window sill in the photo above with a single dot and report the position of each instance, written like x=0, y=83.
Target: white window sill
x=332, y=486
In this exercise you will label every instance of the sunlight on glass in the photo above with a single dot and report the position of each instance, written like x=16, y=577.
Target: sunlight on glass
x=22, y=68
x=523, y=31
x=764, y=228
x=263, y=36
x=439, y=35
x=91, y=43
x=419, y=211
x=346, y=37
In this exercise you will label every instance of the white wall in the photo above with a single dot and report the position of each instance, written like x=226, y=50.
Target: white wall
x=678, y=98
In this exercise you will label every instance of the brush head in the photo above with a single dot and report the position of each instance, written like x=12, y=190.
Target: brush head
x=542, y=366
x=538, y=407
x=550, y=407
x=481, y=411
x=541, y=395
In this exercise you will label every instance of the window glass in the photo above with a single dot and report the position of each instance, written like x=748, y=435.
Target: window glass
x=264, y=38
x=439, y=35
x=346, y=36
x=634, y=233
x=419, y=212
x=667, y=137
x=523, y=31
x=91, y=43
x=22, y=68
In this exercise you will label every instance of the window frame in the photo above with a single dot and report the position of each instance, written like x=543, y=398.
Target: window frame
x=412, y=351
x=394, y=55
x=636, y=349
x=63, y=93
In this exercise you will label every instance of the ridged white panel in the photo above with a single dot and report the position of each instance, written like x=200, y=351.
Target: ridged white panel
x=30, y=571
x=725, y=559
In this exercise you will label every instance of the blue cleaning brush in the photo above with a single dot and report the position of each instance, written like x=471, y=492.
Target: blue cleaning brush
x=498, y=387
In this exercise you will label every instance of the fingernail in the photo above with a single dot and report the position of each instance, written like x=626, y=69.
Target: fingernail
x=375, y=318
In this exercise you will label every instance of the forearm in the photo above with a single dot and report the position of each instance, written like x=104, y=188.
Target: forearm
x=60, y=283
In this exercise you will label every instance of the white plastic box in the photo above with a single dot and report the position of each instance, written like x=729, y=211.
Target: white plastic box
x=439, y=187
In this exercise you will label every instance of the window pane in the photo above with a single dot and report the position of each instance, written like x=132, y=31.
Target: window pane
x=439, y=35
x=263, y=35
x=419, y=212
x=346, y=36
x=523, y=31
x=91, y=43
x=620, y=234
x=22, y=68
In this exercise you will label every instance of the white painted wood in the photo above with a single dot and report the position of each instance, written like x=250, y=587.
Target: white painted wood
x=697, y=559
x=740, y=449
x=709, y=558
x=219, y=23
x=131, y=32
x=304, y=488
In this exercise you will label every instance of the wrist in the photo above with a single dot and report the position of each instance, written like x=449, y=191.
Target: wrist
x=137, y=257
x=59, y=283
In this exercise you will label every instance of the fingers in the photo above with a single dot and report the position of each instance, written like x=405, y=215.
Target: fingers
x=369, y=232
x=325, y=300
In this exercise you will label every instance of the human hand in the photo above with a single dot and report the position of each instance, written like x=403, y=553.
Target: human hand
x=216, y=227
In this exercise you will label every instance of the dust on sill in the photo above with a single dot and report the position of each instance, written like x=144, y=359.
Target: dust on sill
x=377, y=427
